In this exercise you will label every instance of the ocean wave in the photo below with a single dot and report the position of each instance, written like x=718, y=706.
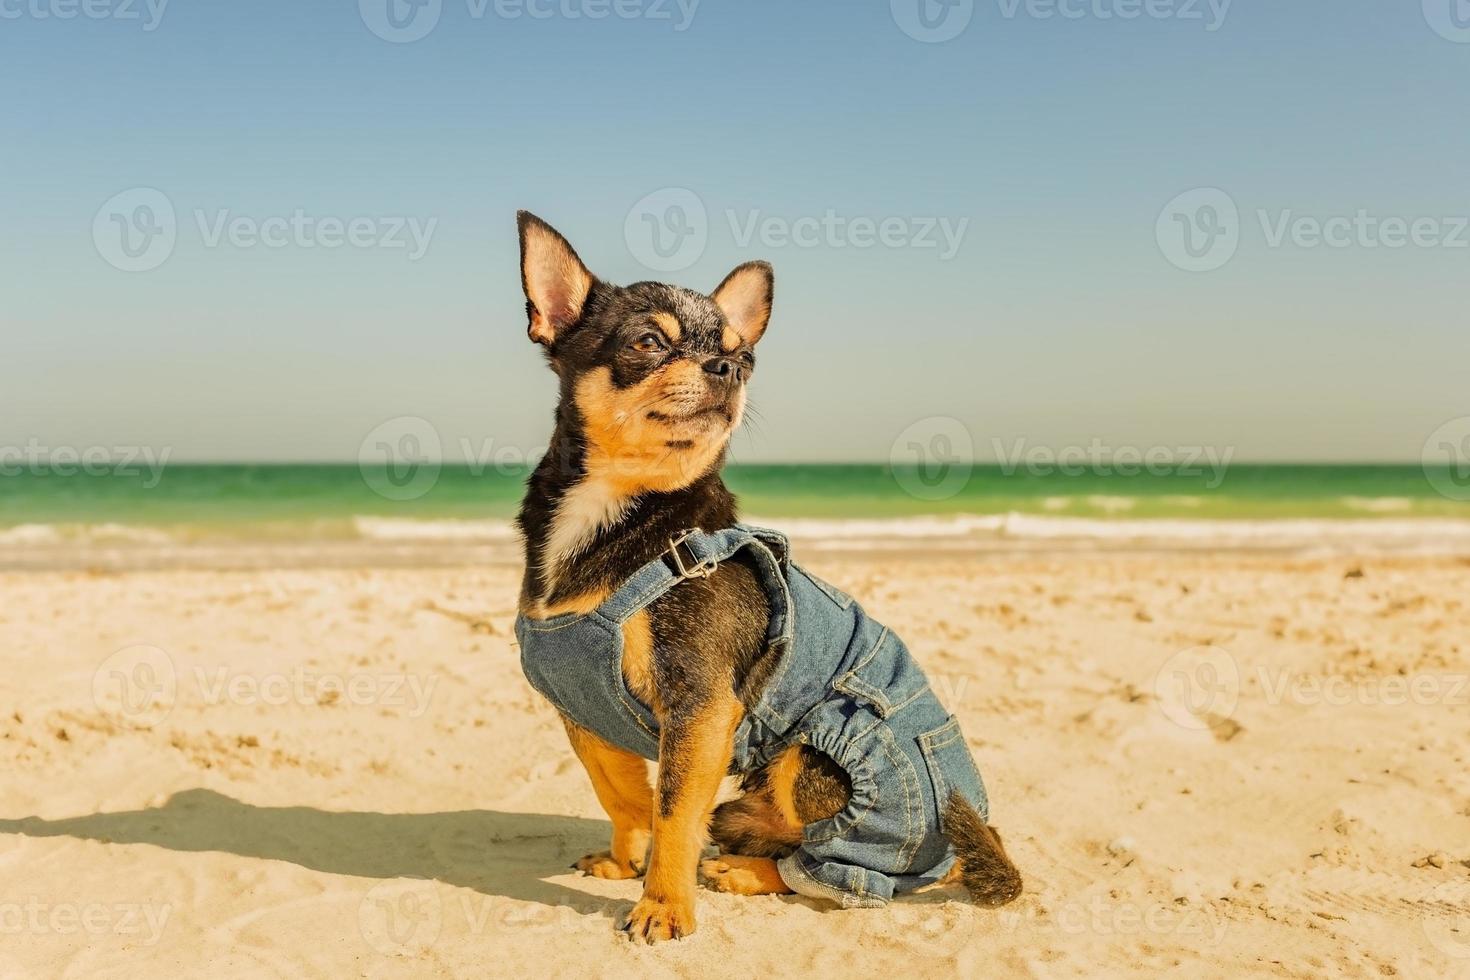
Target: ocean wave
x=408, y=529
x=1378, y=505
x=950, y=533
x=62, y=534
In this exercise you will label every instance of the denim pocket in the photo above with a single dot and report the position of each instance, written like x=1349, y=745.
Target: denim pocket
x=952, y=768
x=885, y=676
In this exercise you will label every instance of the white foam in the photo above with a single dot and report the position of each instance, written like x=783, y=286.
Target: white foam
x=1379, y=505
x=408, y=529
x=957, y=532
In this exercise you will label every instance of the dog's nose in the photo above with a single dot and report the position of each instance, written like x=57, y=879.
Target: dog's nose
x=725, y=369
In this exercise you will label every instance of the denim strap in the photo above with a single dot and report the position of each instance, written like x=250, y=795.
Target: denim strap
x=692, y=554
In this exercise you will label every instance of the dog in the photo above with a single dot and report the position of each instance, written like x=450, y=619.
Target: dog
x=664, y=630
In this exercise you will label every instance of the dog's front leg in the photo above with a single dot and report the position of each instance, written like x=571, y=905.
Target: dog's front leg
x=620, y=780
x=694, y=753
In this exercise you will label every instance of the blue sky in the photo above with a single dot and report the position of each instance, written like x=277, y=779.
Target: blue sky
x=1047, y=145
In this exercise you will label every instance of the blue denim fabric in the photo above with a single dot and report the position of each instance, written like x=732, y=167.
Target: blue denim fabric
x=845, y=685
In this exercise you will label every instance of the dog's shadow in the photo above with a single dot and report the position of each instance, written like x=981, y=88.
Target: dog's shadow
x=504, y=854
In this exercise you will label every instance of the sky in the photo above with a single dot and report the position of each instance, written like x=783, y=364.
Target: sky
x=265, y=231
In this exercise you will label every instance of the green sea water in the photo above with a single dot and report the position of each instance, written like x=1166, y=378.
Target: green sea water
x=323, y=499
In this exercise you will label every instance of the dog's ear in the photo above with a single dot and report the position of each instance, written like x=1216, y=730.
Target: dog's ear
x=555, y=280
x=745, y=299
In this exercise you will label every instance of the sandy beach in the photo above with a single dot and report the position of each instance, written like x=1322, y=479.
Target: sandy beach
x=1208, y=765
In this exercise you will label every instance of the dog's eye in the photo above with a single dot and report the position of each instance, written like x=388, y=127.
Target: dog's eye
x=649, y=343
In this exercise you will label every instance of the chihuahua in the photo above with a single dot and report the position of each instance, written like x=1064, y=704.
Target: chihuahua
x=664, y=630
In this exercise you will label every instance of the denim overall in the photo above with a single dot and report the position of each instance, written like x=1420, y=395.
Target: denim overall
x=844, y=685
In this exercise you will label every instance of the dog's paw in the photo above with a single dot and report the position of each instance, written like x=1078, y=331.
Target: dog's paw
x=735, y=875
x=653, y=921
x=604, y=865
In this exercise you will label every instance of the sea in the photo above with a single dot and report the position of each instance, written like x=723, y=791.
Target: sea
x=253, y=515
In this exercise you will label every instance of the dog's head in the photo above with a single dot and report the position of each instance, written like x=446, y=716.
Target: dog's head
x=653, y=376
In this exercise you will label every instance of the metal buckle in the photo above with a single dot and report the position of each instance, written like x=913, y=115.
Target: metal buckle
x=699, y=569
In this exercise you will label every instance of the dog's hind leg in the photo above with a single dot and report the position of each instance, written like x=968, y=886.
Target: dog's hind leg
x=798, y=787
x=736, y=874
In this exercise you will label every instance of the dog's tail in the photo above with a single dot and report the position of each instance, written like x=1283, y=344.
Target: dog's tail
x=987, y=873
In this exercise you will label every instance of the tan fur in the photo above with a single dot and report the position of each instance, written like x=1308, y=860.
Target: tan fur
x=783, y=772
x=737, y=875
x=556, y=281
x=666, y=910
x=628, y=453
x=744, y=298
x=620, y=780
x=638, y=660
x=670, y=325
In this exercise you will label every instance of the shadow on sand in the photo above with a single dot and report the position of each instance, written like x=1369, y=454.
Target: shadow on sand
x=495, y=853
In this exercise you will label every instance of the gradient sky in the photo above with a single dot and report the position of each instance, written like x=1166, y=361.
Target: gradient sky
x=1060, y=140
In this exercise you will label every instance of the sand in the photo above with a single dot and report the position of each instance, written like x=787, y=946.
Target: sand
x=1207, y=765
